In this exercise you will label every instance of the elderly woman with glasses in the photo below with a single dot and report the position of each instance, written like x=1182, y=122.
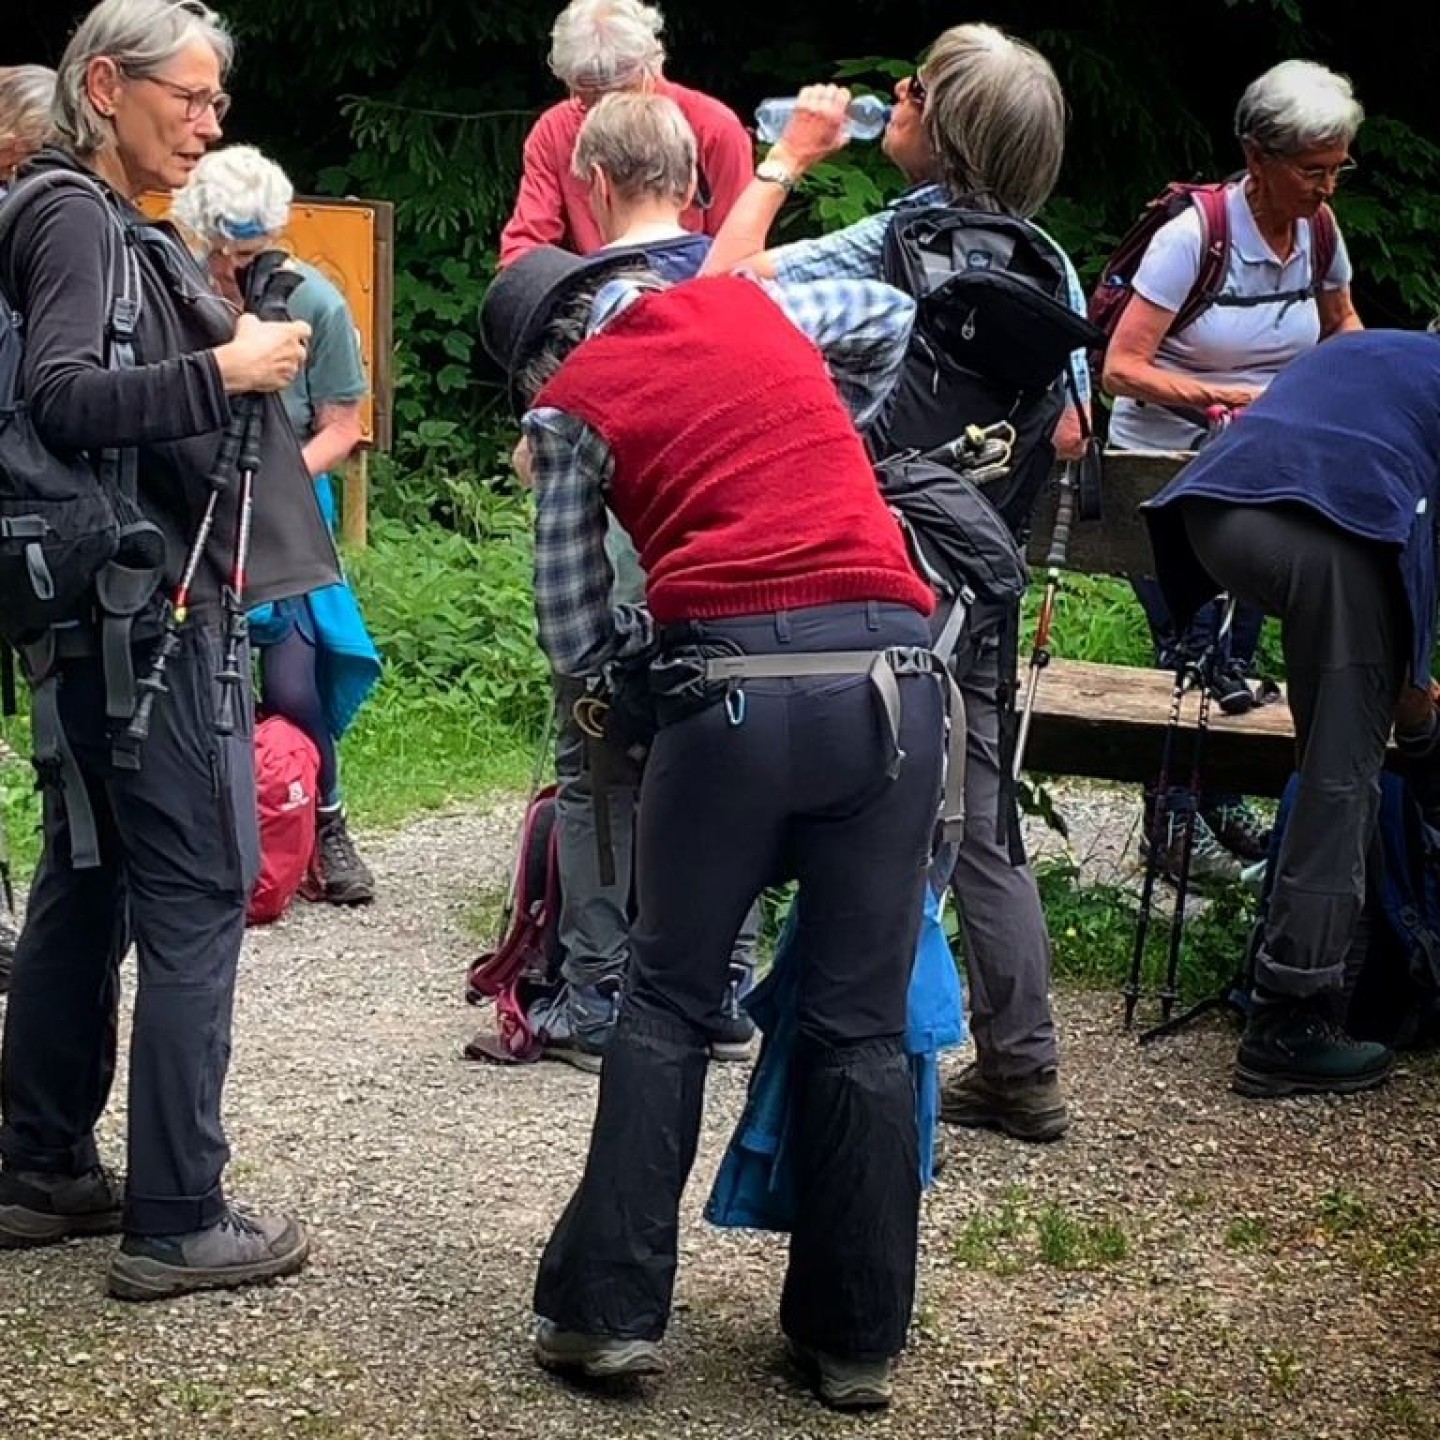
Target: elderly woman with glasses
x=598, y=47
x=1295, y=125
x=149, y=829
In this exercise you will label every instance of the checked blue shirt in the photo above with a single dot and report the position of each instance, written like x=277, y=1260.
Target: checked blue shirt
x=861, y=326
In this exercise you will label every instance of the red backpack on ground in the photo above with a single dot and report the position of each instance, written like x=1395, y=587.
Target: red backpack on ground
x=526, y=962
x=287, y=774
x=1112, y=294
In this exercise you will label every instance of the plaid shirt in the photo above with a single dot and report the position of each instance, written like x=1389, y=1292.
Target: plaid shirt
x=861, y=327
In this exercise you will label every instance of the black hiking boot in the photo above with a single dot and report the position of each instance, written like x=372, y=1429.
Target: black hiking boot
x=1295, y=1047
x=345, y=876
x=733, y=1039
x=1032, y=1109
x=40, y=1208
x=1241, y=829
x=242, y=1249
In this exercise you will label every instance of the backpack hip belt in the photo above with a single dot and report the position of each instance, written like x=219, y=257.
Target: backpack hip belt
x=884, y=669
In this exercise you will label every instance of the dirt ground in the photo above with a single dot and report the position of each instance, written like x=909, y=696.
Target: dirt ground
x=1184, y=1264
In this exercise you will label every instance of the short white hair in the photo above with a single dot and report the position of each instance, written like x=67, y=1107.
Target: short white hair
x=140, y=36
x=234, y=193
x=1298, y=105
x=606, y=44
x=27, y=93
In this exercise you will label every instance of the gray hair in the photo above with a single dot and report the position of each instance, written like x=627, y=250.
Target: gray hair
x=995, y=117
x=606, y=44
x=1298, y=105
x=643, y=143
x=235, y=193
x=140, y=36
x=26, y=94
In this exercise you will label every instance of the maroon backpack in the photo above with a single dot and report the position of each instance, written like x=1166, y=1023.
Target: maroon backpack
x=1112, y=294
x=526, y=961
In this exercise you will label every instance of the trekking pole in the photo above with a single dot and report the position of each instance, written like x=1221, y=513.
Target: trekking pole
x=1054, y=562
x=1170, y=992
x=1157, y=839
x=268, y=287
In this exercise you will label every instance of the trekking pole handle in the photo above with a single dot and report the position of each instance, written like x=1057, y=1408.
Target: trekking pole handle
x=1064, y=519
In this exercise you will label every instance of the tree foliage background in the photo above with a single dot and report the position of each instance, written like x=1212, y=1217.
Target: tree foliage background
x=426, y=103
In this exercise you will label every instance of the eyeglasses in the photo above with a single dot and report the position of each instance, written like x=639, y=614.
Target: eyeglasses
x=1318, y=174
x=197, y=102
x=915, y=91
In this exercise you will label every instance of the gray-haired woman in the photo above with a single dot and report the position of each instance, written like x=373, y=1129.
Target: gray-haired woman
x=154, y=839
x=26, y=94
x=981, y=123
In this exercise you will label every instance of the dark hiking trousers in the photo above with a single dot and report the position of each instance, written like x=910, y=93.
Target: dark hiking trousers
x=794, y=783
x=1345, y=635
x=179, y=852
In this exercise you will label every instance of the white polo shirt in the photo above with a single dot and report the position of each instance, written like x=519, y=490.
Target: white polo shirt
x=1227, y=344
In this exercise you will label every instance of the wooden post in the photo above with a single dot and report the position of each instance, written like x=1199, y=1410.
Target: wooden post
x=355, y=499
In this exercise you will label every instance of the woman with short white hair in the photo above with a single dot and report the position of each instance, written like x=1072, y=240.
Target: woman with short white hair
x=26, y=94
x=317, y=660
x=598, y=47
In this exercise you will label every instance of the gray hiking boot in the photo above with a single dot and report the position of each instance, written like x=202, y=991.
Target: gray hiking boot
x=601, y=1357
x=575, y=1023
x=345, y=876
x=1295, y=1047
x=243, y=1248
x=844, y=1384
x=39, y=1208
x=1210, y=863
x=1032, y=1109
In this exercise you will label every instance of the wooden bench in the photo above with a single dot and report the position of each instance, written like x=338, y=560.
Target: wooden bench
x=1108, y=721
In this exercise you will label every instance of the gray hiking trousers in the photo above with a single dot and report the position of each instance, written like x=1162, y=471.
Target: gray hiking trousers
x=1345, y=633
x=1007, y=947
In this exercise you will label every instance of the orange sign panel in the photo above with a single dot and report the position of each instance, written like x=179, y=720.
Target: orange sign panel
x=351, y=243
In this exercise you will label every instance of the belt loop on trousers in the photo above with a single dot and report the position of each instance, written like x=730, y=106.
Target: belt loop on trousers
x=872, y=615
x=783, y=631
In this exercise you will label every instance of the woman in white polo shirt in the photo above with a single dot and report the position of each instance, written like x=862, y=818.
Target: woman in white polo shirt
x=1295, y=125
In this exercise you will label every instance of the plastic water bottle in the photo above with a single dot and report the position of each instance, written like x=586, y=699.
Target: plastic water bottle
x=866, y=116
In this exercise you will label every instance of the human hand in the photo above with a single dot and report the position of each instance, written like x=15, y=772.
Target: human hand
x=264, y=355
x=1235, y=397
x=523, y=462
x=816, y=129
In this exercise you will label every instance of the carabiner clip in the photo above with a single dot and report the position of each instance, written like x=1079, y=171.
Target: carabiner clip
x=735, y=705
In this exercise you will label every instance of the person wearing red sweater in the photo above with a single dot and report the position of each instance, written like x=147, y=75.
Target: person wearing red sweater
x=600, y=46
x=716, y=419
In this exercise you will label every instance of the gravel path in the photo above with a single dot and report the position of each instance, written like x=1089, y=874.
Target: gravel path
x=1186, y=1264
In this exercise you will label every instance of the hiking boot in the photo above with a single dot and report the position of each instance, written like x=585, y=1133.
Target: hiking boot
x=576, y=1022
x=1230, y=689
x=733, y=1038
x=1032, y=1109
x=1210, y=863
x=40, y=1208
x=1240, y=829
x=601, y=1357
x=243, y=1248
x=345, y=876
x=844, y=1384
x=1294, y=1047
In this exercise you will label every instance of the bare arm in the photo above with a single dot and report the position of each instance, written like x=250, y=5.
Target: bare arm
x=815, y=130
x=1130, y=367
x=1337, y=313
x=337, y=433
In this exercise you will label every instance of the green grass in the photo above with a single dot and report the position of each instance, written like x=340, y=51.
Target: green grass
x=1014, y=1236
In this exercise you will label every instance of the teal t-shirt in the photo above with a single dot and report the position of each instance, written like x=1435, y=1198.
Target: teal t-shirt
x=334, y=374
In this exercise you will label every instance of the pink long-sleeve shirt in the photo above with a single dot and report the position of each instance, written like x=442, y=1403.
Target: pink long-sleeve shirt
x=552, y=207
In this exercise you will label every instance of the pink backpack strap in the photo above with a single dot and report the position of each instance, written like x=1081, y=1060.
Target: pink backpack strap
x=1324, y=244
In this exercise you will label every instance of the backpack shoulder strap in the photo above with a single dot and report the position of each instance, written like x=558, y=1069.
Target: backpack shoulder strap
x=1213, y=204
x=1325, y=244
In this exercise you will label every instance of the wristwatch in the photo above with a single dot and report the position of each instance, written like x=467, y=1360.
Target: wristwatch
x=777, y=174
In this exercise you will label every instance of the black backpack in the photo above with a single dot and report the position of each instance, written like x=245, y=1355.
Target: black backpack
x=71, y=530
x=994, y=333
